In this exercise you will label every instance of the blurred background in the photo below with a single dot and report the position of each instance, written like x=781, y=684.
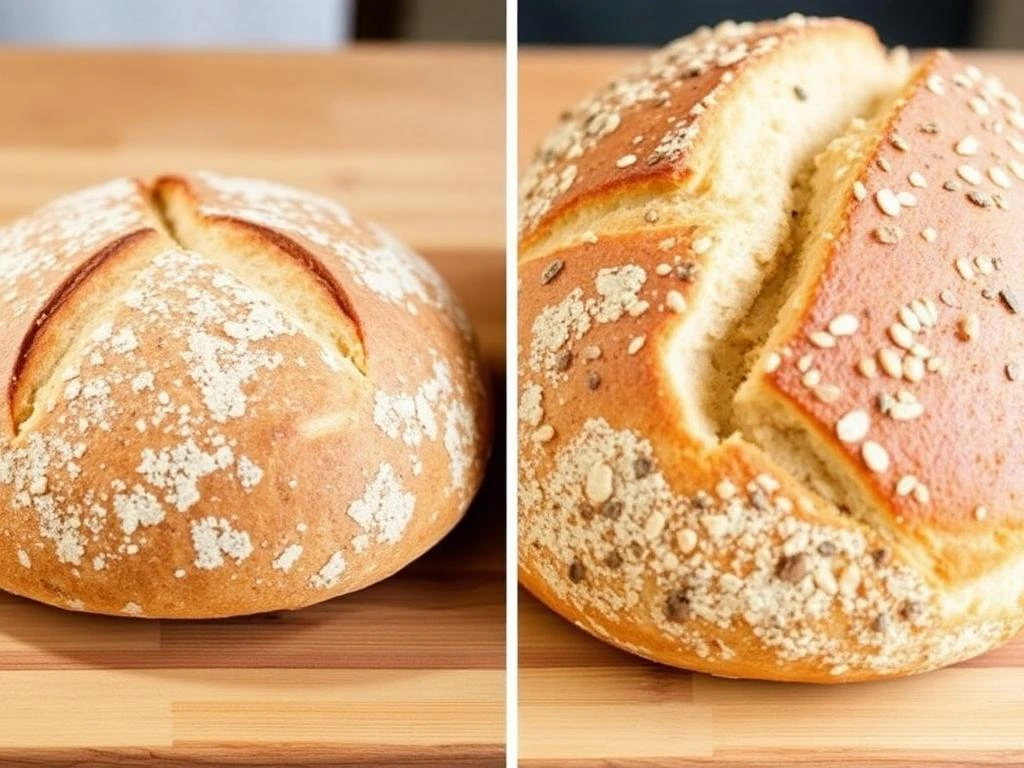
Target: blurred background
x=248, y=24
x=914, y=23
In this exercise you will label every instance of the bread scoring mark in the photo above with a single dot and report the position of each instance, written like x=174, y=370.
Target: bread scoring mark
x=384, y=510
x=376, y=261
x=215, y=539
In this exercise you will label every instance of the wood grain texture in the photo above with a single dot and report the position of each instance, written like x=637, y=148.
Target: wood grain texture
x=584, y=703
x=408, y=672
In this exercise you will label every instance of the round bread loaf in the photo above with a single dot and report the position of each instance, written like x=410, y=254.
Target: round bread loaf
x=225, y=396
x=772, y=324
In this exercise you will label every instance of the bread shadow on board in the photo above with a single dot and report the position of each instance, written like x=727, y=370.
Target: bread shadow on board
x=446, y=610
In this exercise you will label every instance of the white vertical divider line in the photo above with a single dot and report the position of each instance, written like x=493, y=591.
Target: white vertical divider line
x=511, y=374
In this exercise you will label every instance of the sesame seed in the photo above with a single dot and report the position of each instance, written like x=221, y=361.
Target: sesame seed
x=551, y=271
x=725, y=490
x=1011, y=301
x=544, y=433
x=901, y=335
x=849, y=580
x=913, y=369
x=654, y=526
x=599, y=483
x=905, y=485
x=675, y=301
x=981, y=199
x=967, y=146
x=800, y=93
x=822, y=339
x=952, y=185
x=701, y=245
x=853, y=426
x=899, y=142
x=867, y=367
x=589, y=237
x=577, y=572
x=883, y=164
x=1000, y=177
x=662, y=270
x=651, y=217
x=906, y=199
x=563, y=361
x=636, y=344
x=888, y=234
x=772, y=362
x=922, y=494
x=843, y=325
x=891, y=362
x=1012, y=371
x=928, y=234
x=964, y=268
x=948, y=298
x=812, y=378
x=909, y=319
x=859, y=190
x=917, y=180
x=935, y=84
x=686, y=540
x=804, y=363
x=922, y=313
x=875, y=456
x=905, y=411
x=625, y=161
x=828, y=393
x=969, y=173
x=980, y=513
x=591, y=352
x=825, y=580
x=887, y=201
x=984, y=264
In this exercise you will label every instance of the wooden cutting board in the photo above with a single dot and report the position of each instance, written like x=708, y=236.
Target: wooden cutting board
x=584, y=703
x=408, y=672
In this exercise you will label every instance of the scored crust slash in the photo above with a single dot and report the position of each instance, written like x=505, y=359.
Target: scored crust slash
x=226, y=396
x=772, y=342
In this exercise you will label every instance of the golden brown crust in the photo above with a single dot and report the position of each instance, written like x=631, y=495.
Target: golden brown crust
x=641, y=130
x=911, y=292
x=710, y=553
x=286, y=409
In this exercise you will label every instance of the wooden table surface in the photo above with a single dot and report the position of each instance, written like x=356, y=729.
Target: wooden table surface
x=410, y=671
x=583, y=703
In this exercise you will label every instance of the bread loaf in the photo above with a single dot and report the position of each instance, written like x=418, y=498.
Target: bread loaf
x=772, y=342
x=225, y=396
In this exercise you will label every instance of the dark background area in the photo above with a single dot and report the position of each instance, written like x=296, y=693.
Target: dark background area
x=914, y=23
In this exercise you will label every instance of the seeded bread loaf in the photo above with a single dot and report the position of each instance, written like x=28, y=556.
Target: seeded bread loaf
x=225, y=396
x=772, y=336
